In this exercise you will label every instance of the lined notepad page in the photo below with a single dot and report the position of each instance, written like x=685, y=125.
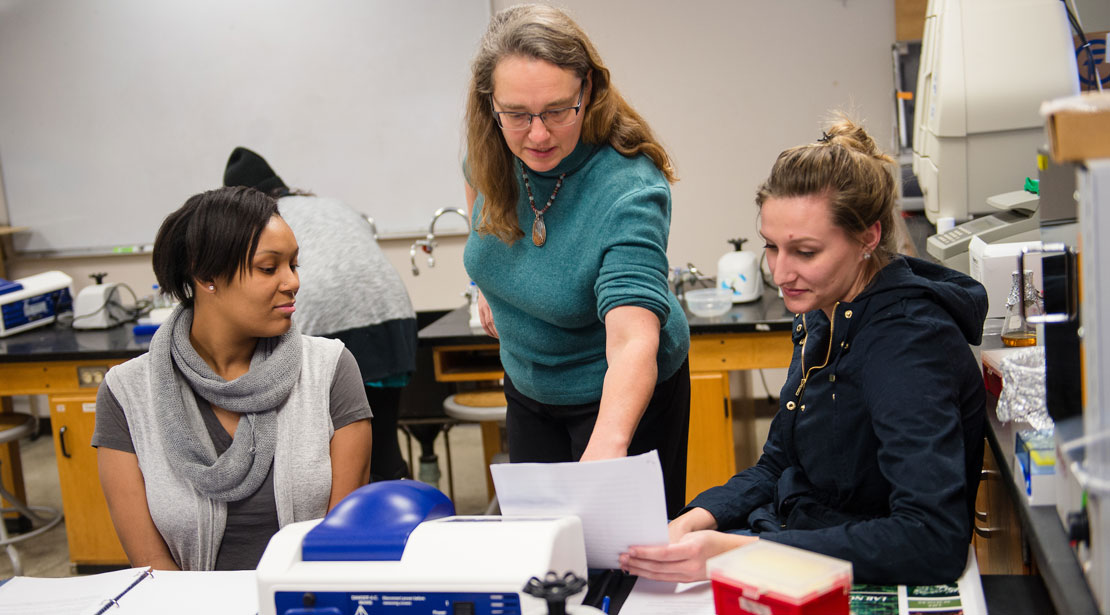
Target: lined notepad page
x=620, y=501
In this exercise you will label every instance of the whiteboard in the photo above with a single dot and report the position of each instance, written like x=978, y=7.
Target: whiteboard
x=114, y=112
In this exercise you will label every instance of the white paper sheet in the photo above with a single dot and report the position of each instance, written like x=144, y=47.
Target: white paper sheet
x=659, y=598
x=163, y=592
x=230, y=592
x=35, y=596
x=620, y=501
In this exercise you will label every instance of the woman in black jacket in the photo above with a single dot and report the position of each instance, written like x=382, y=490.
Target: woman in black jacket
x=875, y=453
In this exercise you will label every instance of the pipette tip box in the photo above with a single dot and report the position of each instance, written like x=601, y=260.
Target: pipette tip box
x=767, y=578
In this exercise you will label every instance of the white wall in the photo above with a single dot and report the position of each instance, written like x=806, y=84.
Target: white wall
x=726, y=85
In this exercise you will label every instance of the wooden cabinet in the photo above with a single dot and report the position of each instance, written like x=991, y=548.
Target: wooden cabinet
x=711, y=453
x=997, y=533
x=710, y=456
x=71, y=386
x=92, y=537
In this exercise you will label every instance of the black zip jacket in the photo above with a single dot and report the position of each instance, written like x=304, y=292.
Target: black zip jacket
x=875, y=453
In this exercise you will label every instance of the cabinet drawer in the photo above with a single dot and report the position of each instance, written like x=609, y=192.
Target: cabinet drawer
x=735, y=351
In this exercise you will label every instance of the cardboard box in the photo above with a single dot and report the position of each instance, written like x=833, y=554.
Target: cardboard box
x=1097, y=52
x=1078, y=127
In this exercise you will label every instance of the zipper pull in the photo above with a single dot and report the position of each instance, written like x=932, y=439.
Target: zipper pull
x=801, y=387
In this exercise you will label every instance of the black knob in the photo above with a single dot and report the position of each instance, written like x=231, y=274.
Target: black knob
x=1079, y=527
x=555, y=590
x=309, y=600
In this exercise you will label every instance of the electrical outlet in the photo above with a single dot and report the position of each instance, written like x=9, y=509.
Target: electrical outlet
x=91, y=376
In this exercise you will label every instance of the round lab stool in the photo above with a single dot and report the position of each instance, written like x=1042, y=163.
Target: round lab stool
x=487, y=408
x=12, y=428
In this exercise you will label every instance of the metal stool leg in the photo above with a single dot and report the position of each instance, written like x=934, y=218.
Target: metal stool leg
x=450, y=470
x=13, y=553
x=52, y=517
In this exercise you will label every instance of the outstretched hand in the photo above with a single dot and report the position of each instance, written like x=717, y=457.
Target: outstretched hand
x=681, y=561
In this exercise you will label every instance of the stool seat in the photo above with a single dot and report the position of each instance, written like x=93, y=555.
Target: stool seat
x=476, y=406
x=488, y=408
x=12, y=428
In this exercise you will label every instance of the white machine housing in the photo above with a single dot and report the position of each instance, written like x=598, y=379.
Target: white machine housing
x=740, y=272
x=38, y=303
x=986, y=66
x=99, y=307
x=490, y=556
x=993, y=265
x=1093, y=190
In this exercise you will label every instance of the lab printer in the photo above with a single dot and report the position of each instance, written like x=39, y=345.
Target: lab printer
x=396, y=548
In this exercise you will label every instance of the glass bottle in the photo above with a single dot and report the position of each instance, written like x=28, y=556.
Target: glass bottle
x=1016, y=331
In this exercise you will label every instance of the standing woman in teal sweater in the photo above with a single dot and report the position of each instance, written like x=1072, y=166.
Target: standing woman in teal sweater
x=569, y=194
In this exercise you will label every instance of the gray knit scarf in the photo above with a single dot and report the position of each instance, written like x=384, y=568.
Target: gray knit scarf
x=177, y=371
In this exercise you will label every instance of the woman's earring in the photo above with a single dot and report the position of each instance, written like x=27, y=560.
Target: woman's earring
x=866, y=255
x=213, y=286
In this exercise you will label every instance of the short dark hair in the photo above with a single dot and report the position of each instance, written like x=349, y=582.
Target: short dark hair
x=212, y=236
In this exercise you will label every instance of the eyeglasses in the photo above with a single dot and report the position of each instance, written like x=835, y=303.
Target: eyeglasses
x=552, y=118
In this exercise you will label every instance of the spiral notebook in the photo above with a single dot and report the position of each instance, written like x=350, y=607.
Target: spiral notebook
x=133, y=591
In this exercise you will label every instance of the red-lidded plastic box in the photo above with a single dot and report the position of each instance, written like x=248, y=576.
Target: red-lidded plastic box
x=766, y=578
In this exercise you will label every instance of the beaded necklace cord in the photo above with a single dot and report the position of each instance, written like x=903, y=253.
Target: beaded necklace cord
x=539, y=229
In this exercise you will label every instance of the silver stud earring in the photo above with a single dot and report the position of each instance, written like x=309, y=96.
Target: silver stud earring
x=213, y=286
x=866, y=255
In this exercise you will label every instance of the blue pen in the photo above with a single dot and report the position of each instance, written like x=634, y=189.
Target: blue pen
x=605, y=604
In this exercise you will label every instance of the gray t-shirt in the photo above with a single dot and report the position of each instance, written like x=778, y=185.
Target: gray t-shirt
x=253, y=520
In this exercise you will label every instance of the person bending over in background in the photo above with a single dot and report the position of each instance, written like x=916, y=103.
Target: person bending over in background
x=350, y=292
x=233, y=424
x=570, y=203
x=875, y=452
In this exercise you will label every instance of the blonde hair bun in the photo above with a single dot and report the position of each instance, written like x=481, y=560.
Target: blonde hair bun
x=848, y=167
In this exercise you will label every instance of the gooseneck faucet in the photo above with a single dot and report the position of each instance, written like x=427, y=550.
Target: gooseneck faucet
x=428, y=244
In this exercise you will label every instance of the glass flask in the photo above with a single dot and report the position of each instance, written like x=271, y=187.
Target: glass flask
x=1016, y=331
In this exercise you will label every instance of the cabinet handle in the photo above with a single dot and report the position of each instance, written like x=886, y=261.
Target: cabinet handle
x=980, y=515
x=986, y=532
x=62, y=441
x=989, y=475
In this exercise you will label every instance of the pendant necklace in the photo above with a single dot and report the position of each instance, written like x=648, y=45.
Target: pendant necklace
x=539, y=229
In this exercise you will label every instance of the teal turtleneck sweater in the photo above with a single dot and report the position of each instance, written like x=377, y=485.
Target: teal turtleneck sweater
x=606, y=247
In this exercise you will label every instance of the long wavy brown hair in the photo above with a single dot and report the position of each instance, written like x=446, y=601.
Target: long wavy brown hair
x=543, y=33
x=847, y=166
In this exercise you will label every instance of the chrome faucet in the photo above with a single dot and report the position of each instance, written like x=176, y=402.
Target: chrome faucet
x=428, y=244
x=680, y=278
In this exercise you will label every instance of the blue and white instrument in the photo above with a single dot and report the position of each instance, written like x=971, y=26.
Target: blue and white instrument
x=396, y=548
x=34, y=301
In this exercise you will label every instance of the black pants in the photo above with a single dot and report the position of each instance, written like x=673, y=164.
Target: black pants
x=386, y=462
x=549, y=433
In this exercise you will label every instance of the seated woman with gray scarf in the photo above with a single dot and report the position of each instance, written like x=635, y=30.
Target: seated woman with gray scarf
x=233, y=424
